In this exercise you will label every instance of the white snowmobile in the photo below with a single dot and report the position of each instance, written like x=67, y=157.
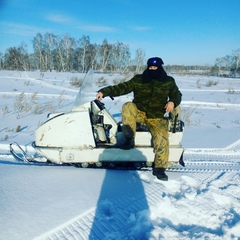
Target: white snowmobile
x=88, y=135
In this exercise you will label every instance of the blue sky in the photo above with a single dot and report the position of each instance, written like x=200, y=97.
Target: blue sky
x=187, y=32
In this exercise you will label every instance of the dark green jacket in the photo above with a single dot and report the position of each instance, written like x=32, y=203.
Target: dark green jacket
x=150, y=97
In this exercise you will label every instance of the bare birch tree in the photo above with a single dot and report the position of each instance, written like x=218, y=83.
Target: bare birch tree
x=120, y=57
x=139, y=60
x=94, y=50
x=38, y=49
x=49, y=50
x=84, y=43
x=65, y=52
x=105, y=53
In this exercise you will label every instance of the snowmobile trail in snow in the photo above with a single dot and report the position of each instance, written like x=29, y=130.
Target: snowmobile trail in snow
x=197, y=163
x=128, y=216
x=206, y=173
x=201, y=160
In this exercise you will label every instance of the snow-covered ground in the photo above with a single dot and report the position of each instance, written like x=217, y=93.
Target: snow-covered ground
x=64, y=202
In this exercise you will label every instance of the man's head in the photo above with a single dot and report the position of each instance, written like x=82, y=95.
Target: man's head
x=154, y=70
x=154, y=63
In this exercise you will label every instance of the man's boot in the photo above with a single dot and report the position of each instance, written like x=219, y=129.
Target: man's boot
x=160, y=174
x=129, y=143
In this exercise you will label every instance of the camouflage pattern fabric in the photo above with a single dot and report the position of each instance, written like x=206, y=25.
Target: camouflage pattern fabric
x=150, y=97
x=157, y=126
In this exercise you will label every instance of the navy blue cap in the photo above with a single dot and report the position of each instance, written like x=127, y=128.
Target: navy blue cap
x=155, y=61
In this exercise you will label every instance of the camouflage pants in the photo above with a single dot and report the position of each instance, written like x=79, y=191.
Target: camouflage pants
x=157, y=126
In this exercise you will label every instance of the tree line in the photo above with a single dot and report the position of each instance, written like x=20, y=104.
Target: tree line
x=66, y=54
x=229, y=63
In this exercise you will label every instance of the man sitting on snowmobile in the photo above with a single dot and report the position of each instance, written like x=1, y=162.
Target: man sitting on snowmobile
x=155, y=94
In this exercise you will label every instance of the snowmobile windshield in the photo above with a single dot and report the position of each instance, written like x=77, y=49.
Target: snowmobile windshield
x=87, y=91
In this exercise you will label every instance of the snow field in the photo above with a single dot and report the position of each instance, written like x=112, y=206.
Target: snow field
x=62, y=202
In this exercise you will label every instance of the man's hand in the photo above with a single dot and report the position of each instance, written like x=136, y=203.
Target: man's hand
x=99, y=96
x=169, y=106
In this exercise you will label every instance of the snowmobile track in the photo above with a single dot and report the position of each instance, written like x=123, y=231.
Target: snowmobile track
x=209, y=162
x=205, y=166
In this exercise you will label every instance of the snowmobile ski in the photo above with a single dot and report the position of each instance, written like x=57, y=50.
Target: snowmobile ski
x=22, y=155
